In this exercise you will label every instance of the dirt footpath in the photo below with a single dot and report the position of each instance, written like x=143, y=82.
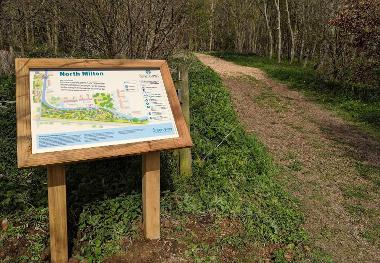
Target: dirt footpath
x=327, y=163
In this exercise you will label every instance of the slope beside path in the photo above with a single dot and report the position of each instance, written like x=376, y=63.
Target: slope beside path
x=327, y=163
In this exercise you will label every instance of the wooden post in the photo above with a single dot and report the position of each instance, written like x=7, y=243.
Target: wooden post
x=57, y=213
x=151, y=194
x=177, y=84
x=185, y=154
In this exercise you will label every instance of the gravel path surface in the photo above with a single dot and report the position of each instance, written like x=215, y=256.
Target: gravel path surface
x=326, y=162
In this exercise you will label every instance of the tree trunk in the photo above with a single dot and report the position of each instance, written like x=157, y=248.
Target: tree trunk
x=253, y=39
x=269, y=29
x=279, y=44
x=27, y=34
x=306, y=60
x=301, y=48
x=302, y=33
x=323, y=55
x=291, y=32
x=48, y=35
x=314, y=48
x=32, y=28
x=211, y=26
x=240, y=38
x=55, y=32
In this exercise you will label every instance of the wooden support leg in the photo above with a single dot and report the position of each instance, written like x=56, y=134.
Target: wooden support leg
x=57, y=213
x=151, y=194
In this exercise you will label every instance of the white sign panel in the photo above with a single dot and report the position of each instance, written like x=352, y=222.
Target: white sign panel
x=75, y=109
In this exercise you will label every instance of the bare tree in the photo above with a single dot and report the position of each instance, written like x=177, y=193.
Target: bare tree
x=269, y=30
x=335, y=36
x=279, y=40
x=292, y=40
x=211, y=24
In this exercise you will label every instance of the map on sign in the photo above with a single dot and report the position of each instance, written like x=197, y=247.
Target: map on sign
x=75, y=109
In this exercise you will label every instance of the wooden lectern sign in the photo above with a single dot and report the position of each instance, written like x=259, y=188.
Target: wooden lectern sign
x=71, y=110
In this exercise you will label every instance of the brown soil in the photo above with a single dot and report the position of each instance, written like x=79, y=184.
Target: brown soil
x=177, y=237
x=139, y=249
x=17, y=246
x=13, y=248
x=318, y=153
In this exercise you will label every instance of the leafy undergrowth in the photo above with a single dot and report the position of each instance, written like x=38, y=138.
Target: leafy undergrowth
x=356, y=102
x=230, y=209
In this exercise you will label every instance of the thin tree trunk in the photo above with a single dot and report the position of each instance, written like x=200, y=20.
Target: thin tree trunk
x=268, y=29
x=239, y=43
x=26, y=25
x=314, y=48
x=48, y=35
x=302, y=33
x=279, y=44
x=32, y=33
x=253, y=39
x=301, y=48
x=306, y=60
x=291, y=32
x=55, y=31
x=323, y=54
x=27, y=34
x=211, y=26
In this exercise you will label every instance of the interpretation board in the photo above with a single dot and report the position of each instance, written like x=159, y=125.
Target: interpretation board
x=72, y=110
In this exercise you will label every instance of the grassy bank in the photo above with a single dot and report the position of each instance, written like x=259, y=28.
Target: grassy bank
x=230, y=209
x=358, y=103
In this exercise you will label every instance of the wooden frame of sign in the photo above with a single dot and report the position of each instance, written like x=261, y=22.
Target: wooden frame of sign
x=55, y=160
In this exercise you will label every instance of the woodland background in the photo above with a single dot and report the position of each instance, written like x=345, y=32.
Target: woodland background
x=339, y=38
